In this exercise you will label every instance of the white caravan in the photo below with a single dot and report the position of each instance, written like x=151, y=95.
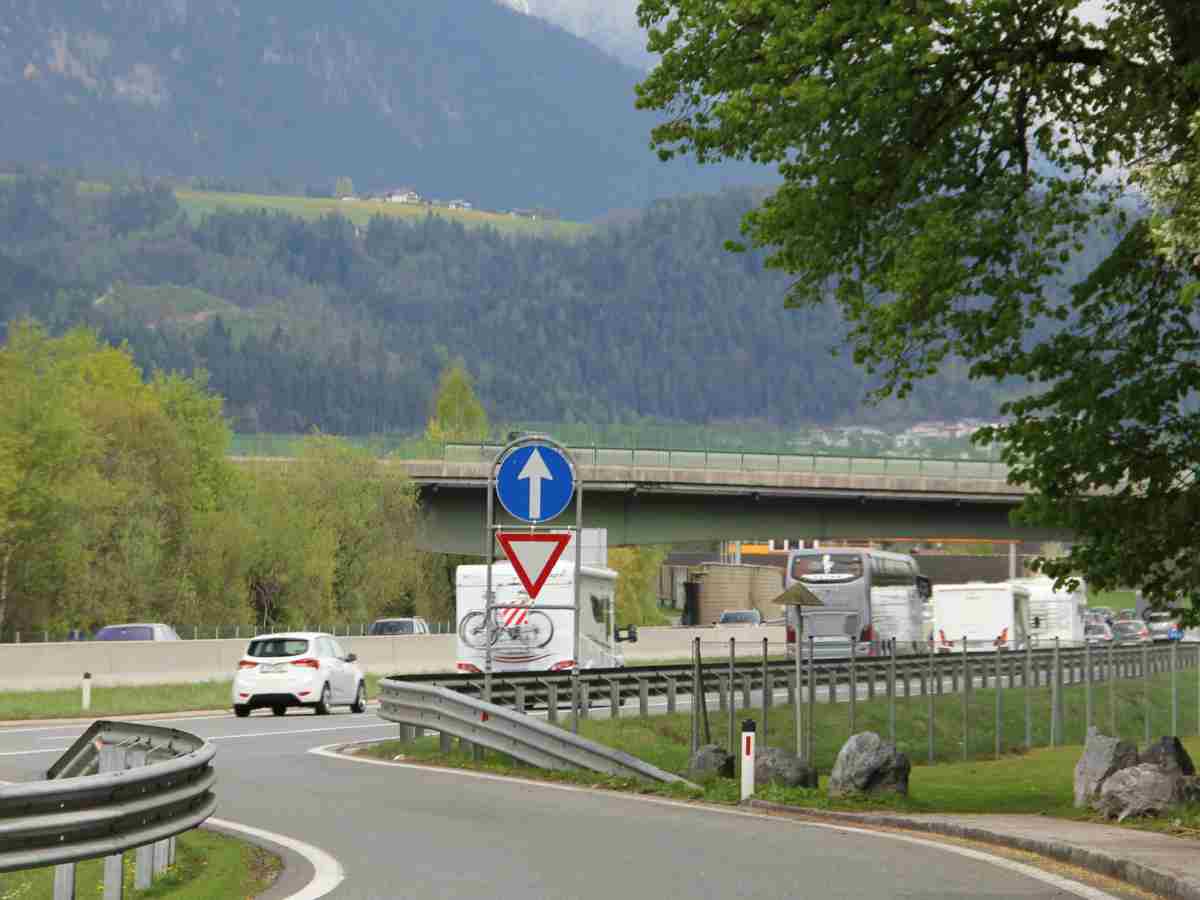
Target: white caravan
x=987, y=616
x=530, y=639
x=1054, y=614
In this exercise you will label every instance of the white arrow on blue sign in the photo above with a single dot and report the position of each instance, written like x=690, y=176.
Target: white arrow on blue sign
x=535, y=483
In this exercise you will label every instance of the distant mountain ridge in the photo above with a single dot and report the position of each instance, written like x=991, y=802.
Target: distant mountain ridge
x=609, y=24
x=458, y=98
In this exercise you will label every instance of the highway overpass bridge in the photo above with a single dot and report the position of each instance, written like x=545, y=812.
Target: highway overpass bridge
x=667, y=496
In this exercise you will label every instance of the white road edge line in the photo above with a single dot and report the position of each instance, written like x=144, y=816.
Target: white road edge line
x=328, y=871
x=1087, y=892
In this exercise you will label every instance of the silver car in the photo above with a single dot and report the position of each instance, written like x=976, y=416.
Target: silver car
x=1162, y=624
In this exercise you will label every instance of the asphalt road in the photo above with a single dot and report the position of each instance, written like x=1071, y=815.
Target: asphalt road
x=403, y=832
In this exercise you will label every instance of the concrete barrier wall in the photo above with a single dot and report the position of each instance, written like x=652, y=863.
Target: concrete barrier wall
x=61, y=665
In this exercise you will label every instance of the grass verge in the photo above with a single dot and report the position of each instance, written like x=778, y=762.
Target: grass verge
x=208, y=866
x=125, y=701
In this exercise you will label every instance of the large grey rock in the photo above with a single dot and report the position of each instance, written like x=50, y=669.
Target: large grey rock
x=709, y=761
x=867, y=764
x=1139, y=790
x=1102, y=756
x=1169, y=755
x=775, y=766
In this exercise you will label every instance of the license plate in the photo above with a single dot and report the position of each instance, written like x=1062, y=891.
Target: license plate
x=275, y=667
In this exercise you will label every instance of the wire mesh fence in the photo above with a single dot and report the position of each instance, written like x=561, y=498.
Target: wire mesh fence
x=941, y=706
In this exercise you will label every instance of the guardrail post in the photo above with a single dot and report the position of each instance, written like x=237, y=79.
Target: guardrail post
x=112, y=759
x=614, y=694
x=519, y=698
x=1174, y=688
x=144, y=874
x=929, y=696
x=585, y=701
x=1087, y=686
x=670, y=694
x=732, y=695
x=160, y=857
x=853, y=681
x=1056, y=696
x=966, y=699
x=1112, y=697
x=64, y=882
x=722, y=693
x=768, y=688
x=747, y=685
x=812, y=701
x=552, y=701
x=444, y=742
x=998, y=688
x=891, y=690
x=1028, y=701
x=643, y=698
x=1146, y=689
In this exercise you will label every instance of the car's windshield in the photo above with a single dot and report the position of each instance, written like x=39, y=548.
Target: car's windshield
x=1126, y=628
x=403, y=626
x=125, y=633
x=270, y=647
x=739, y=617
x=1097, y=629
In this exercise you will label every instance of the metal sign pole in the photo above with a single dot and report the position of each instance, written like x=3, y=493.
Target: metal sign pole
x=489, y=538
x=578, y=608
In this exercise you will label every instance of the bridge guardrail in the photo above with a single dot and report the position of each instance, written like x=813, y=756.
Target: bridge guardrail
x=799, y=463
x=81, y=813
x=504, y=730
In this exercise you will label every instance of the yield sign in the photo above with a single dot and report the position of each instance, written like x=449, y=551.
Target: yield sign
x=533, y=556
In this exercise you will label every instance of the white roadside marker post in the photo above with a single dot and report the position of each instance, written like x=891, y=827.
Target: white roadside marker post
x=86, y=685
x=748, y=734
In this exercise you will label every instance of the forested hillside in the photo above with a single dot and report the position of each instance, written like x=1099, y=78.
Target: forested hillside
x=344, y=327
x=455, y=98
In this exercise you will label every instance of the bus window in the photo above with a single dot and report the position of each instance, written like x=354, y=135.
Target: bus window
x=836, y=568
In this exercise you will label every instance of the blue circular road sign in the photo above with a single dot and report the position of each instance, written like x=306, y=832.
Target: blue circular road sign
x=535, y=483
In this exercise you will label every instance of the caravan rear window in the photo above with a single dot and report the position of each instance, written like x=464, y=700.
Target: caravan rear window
x=828, y=568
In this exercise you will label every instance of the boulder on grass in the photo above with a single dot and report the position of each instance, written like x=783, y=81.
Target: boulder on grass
x=867, y=764
x=775, y=766
x=1169, y=755
x=710, y=761
x=1102, y=757
x=1140, y=790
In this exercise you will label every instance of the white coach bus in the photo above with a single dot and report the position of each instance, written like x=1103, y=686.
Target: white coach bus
x=868, y=596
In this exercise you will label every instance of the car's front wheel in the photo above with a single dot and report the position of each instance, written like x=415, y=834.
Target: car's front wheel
x=241, y=711
x=360, y=699
x=324, y=704
x=279, y=710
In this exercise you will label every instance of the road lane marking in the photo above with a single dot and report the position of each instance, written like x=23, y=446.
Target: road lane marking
x=328, y=871
x=1087, y=892
x=226, y=737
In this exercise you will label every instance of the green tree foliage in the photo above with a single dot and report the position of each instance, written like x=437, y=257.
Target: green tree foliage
x=103, y=478
x=943, y=165
x=457, y=413
x=637, y=584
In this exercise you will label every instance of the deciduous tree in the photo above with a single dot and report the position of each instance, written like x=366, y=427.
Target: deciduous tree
x=943, y=163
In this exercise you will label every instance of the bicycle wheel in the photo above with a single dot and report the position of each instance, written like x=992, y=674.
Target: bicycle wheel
x=474, y=632
x=540, y=627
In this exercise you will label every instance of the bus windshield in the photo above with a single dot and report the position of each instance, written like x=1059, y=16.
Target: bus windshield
x=828, y=568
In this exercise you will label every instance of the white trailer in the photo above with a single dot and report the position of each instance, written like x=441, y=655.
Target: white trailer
x=986, y=615
x=1054, y=614
x=533, y=640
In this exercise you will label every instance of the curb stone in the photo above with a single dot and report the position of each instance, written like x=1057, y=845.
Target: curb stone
x=1157, y=881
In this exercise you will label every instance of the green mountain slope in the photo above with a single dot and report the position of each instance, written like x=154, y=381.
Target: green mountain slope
x=456, y=98
x=345, y=327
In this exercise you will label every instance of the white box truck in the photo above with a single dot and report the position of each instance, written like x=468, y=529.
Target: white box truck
x=1054, y=614
x=530, y=639
x=986, y=615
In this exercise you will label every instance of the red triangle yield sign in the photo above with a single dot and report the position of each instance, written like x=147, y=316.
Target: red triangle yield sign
x=533, y=556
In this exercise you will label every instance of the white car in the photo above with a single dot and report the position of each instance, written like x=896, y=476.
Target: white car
x=298, y=669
